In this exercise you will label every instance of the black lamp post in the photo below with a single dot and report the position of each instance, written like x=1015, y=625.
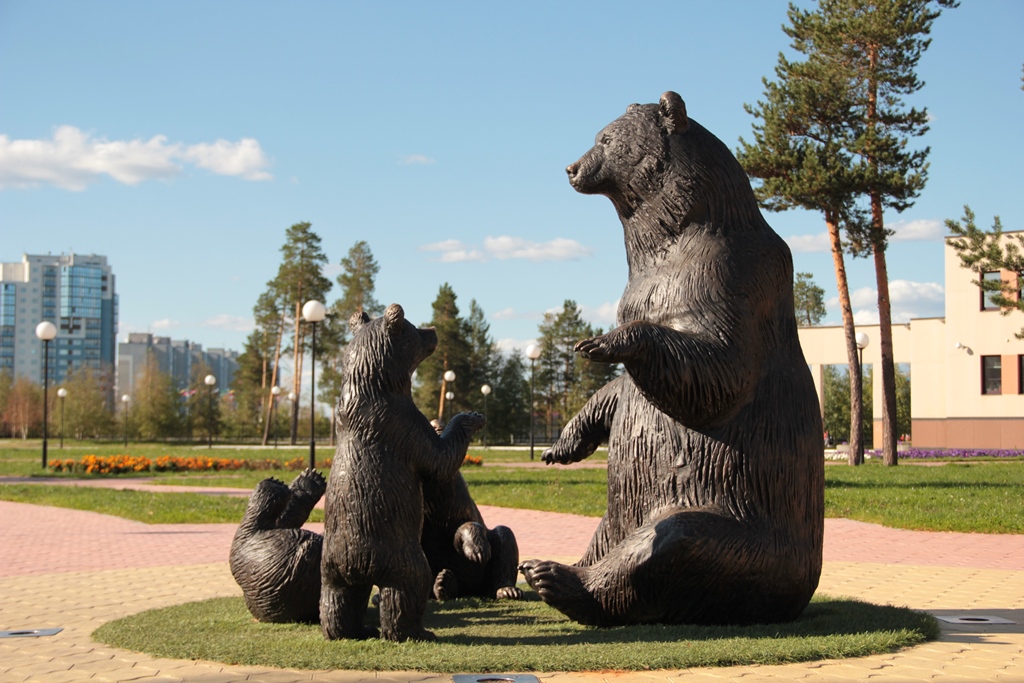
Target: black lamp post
x=313, y=311
x=210, y=381
x=46, y=331
x=486, y=391
x=62, y=393
x=124, y=400
x=275, y=391
x=533, y=353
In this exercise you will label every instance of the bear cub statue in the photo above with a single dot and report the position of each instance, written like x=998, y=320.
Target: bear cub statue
x=466, y=558
x=274, y=560
x=715, y=465
x=373, y=514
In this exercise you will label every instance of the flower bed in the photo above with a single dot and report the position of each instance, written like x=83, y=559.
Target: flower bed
x=126, y=464
x=953, y=453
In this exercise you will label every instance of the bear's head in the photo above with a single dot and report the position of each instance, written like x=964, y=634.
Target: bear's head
x=383, y=353
x=664, y=172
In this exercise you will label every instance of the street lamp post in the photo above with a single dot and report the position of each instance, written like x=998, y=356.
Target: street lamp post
x=125, y=399
x=210, y=381
x=275, y=391
x=46, y=331
x=862, y=342
x=62, y=393
x=448, y=376
x=486, y=391
x=533, y=353
x=449, y=396
x=313, y=311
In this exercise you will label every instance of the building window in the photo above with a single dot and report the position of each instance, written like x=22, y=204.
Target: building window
x=1020, y=374
x=991, y=374
x=986, y=295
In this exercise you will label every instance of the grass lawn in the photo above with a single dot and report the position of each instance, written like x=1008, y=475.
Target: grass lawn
x=957, y=496
x=492, y=636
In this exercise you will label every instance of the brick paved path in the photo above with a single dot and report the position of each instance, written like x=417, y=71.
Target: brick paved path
x=80, y=569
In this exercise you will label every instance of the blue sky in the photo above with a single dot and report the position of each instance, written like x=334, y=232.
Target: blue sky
x=181, y=139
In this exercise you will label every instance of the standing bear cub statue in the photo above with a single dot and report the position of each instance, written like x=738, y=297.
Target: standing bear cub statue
x=715, y=466
x=373, y=511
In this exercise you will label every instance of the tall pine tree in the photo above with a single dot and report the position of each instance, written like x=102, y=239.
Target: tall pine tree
x=299, y=279
x=835, y=130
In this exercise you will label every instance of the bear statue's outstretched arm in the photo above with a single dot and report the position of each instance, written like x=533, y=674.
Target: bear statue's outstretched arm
x=306, y=490
x=588, y=428
x=698, y=377
x=451, y=446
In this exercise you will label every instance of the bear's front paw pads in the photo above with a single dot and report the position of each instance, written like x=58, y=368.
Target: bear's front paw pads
x=471, y=422
x=551, y=457
x=598, y=349
x=471, y=541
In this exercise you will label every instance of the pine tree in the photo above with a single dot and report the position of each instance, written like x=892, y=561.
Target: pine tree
x=357, y=281
x=835, y=130
x=808, y=300
x=452, y=353
x=565, y=380
x=983, y=252
x=299, y=279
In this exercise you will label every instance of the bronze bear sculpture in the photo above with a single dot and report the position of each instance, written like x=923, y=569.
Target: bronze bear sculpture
x=715, y=465
x=466, y=558
x=373, y=514
x=274, y=560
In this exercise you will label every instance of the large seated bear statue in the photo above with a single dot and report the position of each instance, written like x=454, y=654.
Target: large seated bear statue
x=715, y=463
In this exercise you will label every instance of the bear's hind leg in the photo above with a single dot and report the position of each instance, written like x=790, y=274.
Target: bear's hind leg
x=403, y=603
x=562, y=587
x=343, y=611
x=503, y=569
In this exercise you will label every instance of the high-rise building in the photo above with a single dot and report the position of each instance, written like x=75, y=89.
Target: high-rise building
x=73, y=291
x=174, y=357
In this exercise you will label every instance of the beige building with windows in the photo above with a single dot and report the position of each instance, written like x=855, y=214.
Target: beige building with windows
x=967, y=368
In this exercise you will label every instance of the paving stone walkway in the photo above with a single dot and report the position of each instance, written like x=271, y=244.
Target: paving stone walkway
x=78, y=570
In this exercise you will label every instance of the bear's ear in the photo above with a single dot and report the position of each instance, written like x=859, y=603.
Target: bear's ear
x=673, y=111
x=358, y=319
x=394, y=316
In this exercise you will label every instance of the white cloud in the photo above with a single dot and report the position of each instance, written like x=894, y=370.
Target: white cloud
x=917, y=231
x=558, y=249
x=73, y=159
x=454, y=251
x=604, y=315
x=164, y=324
x=505, y=247
x=226, y=321
x=244, y=158
x=508, y=345
x=907, y=300
x=505, y=314
x=416, y=160
x=810, y=244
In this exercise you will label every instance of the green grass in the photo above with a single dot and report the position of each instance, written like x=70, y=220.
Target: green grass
x=579, y=491
x=488, y=636
x=970, y=497
x=957, y=496
x=151, y=508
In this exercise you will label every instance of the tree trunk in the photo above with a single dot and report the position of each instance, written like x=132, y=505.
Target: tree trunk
x=856, y=455
x=273, y=382
x=889, y=452
x=882, y=280
x=297, y=371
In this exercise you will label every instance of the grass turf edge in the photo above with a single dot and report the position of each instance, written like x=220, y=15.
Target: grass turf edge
x=488, y=636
